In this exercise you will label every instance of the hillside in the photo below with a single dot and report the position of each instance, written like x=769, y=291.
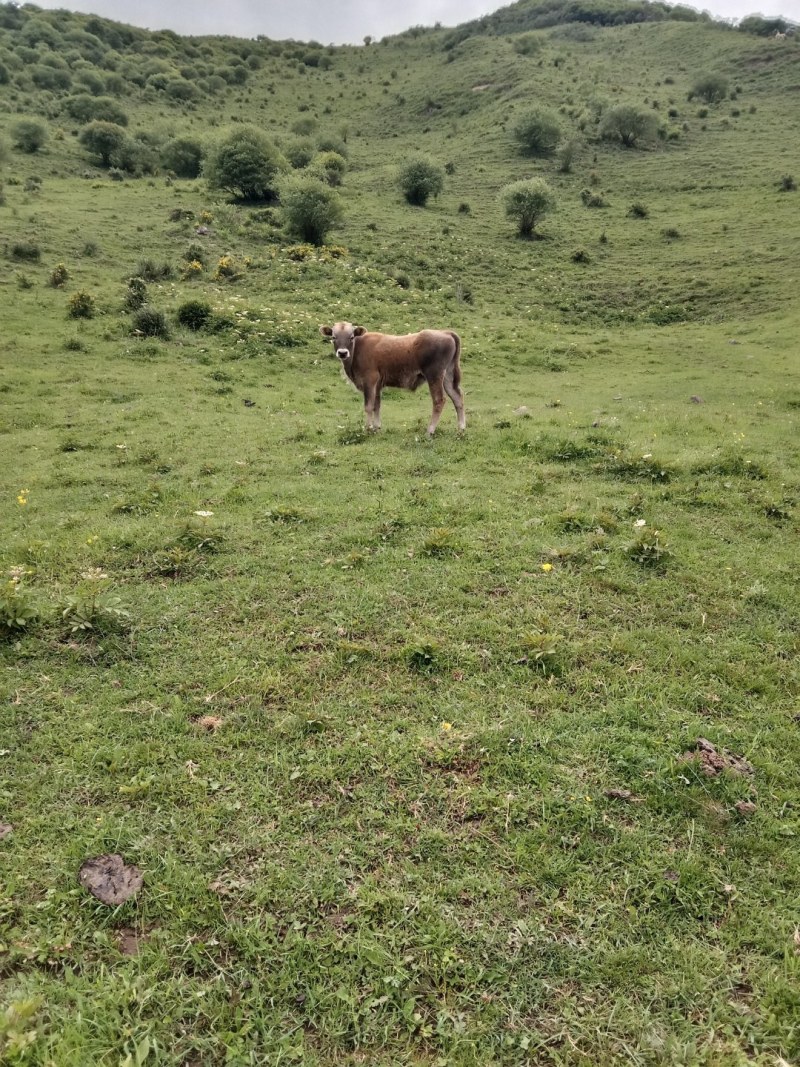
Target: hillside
x=477, y=750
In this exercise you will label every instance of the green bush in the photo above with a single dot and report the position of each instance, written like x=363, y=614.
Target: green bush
x=81, y=305
x=711, y=88
x=26, y=250
x=310, y=208
x=103, y=139
x=152, y=271
x=330, y=168
x=527, y=44
x=59, y=276
x=628, y=125
x=29, y=135
x=183, y=156
x=149, y=322
x=420, y=179
x=526, y=202
x=194, y=314
x=135, y=294
x=537, y=132
x=245, y=163
x=85, y=108
x=331, y=143
x=300, y=152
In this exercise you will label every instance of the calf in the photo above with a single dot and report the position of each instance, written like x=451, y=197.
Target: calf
x=374, y=360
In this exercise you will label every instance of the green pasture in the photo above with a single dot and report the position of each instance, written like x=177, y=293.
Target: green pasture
x=403, y=733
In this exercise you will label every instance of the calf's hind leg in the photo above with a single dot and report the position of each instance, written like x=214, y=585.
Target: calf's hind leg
x=452, y=388
x=438, y=398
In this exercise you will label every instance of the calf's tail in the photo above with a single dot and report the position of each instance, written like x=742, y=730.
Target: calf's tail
x=455, y=366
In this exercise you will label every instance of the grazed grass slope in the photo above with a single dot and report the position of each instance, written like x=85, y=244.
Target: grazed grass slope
x=398, y=732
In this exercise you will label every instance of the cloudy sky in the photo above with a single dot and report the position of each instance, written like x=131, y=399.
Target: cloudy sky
x=345, y=21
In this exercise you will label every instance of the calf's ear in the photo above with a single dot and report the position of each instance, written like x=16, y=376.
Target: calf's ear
x=359, y=331
x=326, y=331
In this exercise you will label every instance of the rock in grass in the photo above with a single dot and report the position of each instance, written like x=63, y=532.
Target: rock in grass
x=110, y=879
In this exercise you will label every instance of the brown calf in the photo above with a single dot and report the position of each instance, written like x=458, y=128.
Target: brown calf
x=374, y=360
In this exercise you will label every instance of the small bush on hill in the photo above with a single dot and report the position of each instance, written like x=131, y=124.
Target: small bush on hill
x=527, y=44
x=330, y=168
x=628, y=125
x=567, y=153
x=300, y=152
x=85, y=108
x=311, y=208
x=537, y=132
x=711, y=88
x=59, y=276
x=787, y=184
x=26, y=250
x=245, y=163
x=29, y=135
x=135, y=294
x=194, y=314
x=183, y=156
x=149, y=322
x=331, y=143
x=638, y=210
x=152, y=271
x=81, y=305
x=420, y=179
x=195, y=253
x=103, y=139
x=526, y=202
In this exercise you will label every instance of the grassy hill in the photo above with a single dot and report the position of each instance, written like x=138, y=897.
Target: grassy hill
x=409, y=738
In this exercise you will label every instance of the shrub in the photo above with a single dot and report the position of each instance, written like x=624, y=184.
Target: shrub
x=152, y=271
x=712, y=88
x=81, y=305
x=193, y=269
x=330, y=143
x=26, y=250
x=629, y=125
x=420, y=179
x=330, y=167
x=195, y=253
x=84, y=108
x=787, y=184
x=59, y=276
x=183, y=156
x=226, y=268
x=247, y=164
x=103, y=139
x=527, y=44
x=638, y=210
x=526, y=202
x=300, y=152
x=194, y=314
x=305, y=126
x=580, y=255
x=311, y=208
x=591, y=199
x=566, y=155
x=135, y=294
x=537, y=132
x=149, y=322
x=29, y=135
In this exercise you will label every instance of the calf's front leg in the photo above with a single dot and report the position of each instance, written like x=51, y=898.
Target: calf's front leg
x=372, y=406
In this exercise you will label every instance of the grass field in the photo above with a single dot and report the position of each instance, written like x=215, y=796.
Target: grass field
x=403, y=734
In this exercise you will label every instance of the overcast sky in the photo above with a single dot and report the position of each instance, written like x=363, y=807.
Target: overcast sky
x=335, y=21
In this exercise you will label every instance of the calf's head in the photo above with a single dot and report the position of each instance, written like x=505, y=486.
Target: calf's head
x=343, y=335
